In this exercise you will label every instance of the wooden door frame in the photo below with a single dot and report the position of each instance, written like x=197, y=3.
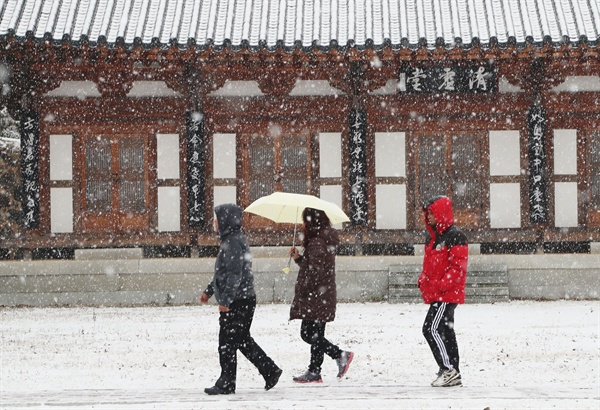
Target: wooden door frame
x=590, y=217
x=146, y=218
x=483, y=179
x=258, y=224
x=559, y=118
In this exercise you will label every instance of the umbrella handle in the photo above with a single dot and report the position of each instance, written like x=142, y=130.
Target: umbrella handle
x=287, y=270
x=293, y=245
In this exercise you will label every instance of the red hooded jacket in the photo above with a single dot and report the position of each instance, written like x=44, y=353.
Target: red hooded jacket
x=446, y=255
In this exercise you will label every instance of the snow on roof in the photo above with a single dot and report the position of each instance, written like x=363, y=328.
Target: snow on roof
x=304, y=23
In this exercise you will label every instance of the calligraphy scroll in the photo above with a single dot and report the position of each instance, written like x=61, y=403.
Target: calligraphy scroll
x=536, y=127
x=358, y=166
x=482, y=78
x=195, y=169
x=30, y=135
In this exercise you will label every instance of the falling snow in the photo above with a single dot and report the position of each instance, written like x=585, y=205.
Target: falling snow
x=522, y=354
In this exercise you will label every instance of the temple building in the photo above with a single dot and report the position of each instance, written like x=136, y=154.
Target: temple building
x=137, y=117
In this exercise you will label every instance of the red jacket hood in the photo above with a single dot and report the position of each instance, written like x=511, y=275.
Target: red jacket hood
x=442, y=210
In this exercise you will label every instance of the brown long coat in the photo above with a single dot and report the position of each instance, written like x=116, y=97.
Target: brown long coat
x=315, y=295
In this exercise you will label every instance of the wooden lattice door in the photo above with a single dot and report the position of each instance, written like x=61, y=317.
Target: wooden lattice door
x=115, y=183
x=275, y=163
x=450, y=164
x=594, y=180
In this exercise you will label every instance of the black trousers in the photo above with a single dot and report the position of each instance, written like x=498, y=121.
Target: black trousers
x=234, y=335
x=438, y=330
x=313, y=333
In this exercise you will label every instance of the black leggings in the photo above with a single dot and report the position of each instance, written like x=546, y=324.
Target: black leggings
x=438, y=330
x=313, y=333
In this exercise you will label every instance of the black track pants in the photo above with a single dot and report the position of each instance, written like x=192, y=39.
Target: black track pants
x=438, y=330
x=234, y=335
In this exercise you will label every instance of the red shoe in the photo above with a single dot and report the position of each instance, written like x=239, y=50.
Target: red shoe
x=343, y=363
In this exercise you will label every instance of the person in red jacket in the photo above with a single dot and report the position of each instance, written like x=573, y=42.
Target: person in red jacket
x=442, y=285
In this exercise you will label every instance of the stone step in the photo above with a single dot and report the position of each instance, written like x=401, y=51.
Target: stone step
x=109, y=254
x=486, y=283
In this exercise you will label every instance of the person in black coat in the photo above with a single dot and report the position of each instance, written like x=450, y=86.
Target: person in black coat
x=315, y=294
x=233, y=288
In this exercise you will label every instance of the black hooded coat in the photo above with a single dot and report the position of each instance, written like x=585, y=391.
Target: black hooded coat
x=233, y=278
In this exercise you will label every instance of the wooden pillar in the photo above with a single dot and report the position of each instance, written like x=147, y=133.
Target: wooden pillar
x=357, y=150
x=536, y=149
x=196, y=84
x=25, y=85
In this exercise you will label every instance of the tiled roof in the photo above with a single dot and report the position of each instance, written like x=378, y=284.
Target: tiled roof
x=293, y=24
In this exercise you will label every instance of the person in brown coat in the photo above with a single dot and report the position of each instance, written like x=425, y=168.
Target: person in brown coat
x=315, y=294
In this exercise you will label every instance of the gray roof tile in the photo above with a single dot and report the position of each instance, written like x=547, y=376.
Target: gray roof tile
x=302, y=23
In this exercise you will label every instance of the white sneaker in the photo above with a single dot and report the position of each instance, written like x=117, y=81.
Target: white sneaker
x=448, y=378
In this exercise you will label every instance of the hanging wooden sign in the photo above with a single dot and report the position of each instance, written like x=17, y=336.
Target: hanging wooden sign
x=195, y=169
x=358, y=166
x=480, y=78
x=30, y=136
x=536, y=126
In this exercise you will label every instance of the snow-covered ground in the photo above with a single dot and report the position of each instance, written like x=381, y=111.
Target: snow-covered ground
x=517, y=355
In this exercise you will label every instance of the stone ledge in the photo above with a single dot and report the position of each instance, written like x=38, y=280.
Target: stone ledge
x=359, y=279
x=108, y=254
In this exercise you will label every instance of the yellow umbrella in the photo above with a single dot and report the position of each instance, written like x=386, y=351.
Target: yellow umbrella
x=285, y=207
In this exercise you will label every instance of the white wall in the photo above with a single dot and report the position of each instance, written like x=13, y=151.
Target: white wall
x=169, y=197
x=505, y=152
x=224, y=195
x=151, y=89
x=61, y=169
x=505, y=205
x=61, y=157
x=167, y=156
x=330, y=154
x=573, y=84
x=391, y=206
x=565, y=152
x=61, y=210
x=330, y=166
x=78, y=89
x=565, y=163
x=224, y=166
x=390, y=154
x=332, y=193
x=505, y=160
x=390, y=161
x=238, y=89
x=169, y=209
x=224, y=155
x=565, y=204
x=314, y=87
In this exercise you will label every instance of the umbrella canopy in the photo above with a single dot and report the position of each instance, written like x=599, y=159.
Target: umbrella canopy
x=284, y=207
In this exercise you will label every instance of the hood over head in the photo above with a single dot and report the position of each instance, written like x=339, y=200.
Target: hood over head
x=441, y=207
x=317, y=224
x=229, y=217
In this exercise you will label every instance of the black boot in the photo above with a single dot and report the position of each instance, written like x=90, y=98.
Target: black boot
x=273, y=379
x=215, y=390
